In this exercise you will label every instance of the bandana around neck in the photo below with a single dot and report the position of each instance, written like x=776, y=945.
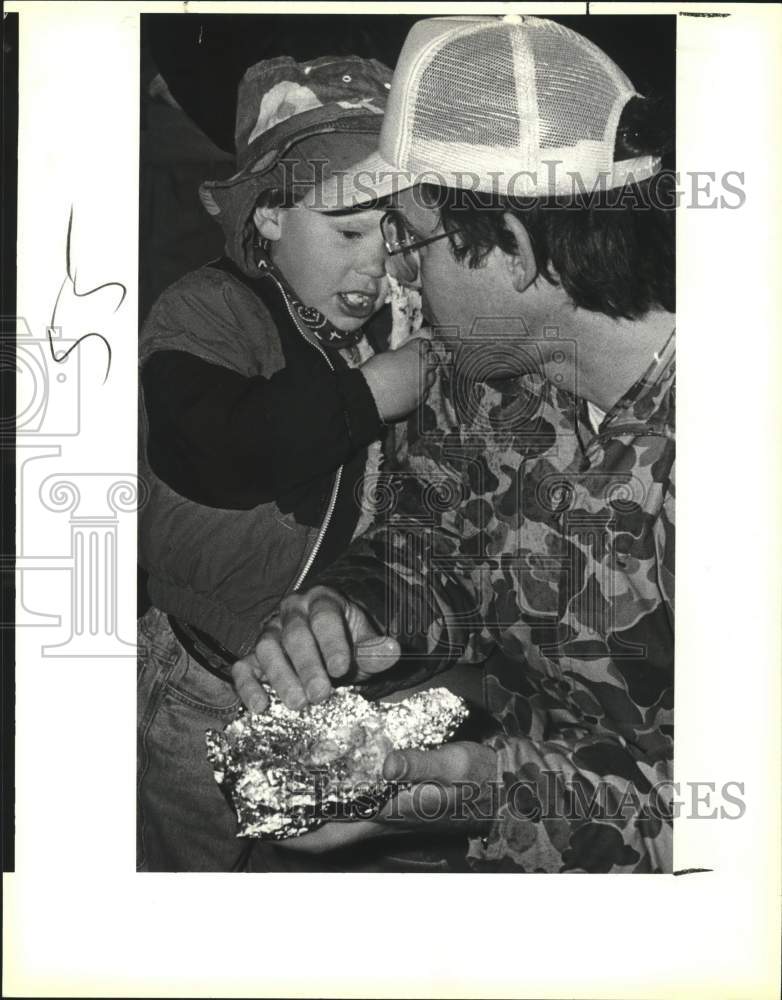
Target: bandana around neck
x=314, y=320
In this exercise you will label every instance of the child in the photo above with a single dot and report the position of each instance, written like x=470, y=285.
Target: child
x=263, y=405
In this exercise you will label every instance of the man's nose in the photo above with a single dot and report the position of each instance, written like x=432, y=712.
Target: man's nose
x=405, y=268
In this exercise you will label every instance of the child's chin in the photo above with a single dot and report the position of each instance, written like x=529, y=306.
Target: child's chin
x=348, y=323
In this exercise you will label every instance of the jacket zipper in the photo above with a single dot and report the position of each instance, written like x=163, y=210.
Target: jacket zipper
x=337, y=478
x=323, y=529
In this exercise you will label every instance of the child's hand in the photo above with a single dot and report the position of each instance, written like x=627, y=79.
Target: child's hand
x=400, y=379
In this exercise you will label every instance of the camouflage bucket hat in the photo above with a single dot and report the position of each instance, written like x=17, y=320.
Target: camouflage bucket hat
x=296, y=123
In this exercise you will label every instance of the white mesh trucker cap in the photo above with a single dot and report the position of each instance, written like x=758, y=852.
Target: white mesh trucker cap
x=514, y=105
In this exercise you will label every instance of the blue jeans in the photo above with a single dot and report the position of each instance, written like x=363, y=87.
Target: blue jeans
x=184, y=824
x=183, y=821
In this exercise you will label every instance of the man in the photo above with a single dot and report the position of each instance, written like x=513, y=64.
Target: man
x=528, y=540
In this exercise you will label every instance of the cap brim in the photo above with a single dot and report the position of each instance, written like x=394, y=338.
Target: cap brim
x=374, y=178
x=230, y=200
x=365, y=182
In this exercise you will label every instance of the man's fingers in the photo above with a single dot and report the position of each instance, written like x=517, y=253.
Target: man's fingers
x=313, y=638
x=248, y=687
x=359, y=626
x=373, y=653
x=376, y=654
x=445, y=764
x=332, y=836
x=304, y=655
x=327, y=620
x=276, y=670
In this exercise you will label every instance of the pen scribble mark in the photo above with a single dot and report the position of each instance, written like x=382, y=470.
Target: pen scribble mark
x=692, y=871
x=71, y=277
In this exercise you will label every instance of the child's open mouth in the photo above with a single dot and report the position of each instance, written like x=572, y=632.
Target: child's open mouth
x=357, y=304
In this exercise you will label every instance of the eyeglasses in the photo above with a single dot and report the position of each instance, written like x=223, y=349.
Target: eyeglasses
x=399, y=241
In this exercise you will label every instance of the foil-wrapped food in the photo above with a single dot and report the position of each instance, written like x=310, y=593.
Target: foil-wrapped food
x=286, y=772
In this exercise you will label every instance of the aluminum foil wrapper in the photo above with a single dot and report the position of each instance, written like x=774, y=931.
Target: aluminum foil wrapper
x=286, y=773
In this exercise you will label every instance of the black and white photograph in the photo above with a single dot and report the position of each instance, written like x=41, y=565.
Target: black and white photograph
x=408, y=542
x=345, y=496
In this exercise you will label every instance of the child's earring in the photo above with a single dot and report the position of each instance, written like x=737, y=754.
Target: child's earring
x=263, y=247
x=267, y=229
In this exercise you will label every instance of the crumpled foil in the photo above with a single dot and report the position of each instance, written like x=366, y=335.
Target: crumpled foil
x=286, y=772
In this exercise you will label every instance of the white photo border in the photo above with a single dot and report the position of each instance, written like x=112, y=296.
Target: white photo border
x=78, y=919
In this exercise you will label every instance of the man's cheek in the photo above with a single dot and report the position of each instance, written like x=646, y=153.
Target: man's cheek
x=427, y=308
x=438, y=294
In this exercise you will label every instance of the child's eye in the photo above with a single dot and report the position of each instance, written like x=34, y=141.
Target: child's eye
x=351, y=234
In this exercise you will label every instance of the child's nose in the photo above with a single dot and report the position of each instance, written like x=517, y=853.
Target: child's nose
x=374, y=262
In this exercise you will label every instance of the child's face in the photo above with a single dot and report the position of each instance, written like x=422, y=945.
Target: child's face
x=334, y=263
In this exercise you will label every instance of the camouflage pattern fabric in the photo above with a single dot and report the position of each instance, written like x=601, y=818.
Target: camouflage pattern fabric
x=516, y=536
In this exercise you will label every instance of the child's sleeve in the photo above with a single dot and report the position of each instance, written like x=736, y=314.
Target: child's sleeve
x=232, y=440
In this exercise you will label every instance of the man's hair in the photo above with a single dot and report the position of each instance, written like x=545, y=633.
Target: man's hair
x=613, y=251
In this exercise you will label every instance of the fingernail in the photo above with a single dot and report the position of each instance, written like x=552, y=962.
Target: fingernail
x=395, y=767
x=338, y=666
x=376, y=640
x=382, y=646
x=318, y=690
x=257, y=704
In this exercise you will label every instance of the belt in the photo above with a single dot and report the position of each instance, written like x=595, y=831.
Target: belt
x=204, y=649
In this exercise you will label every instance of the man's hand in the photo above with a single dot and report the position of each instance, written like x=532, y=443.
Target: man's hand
x=451, y=790
x=313, y=637
x=451, y=786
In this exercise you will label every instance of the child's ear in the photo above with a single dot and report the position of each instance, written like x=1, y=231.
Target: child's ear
x=268, y=222
x=521, y=264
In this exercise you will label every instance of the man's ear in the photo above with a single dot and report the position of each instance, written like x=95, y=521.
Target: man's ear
x=268, y=222
x=521, y=264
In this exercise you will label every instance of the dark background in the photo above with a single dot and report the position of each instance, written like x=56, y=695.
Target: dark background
x=202, y=58
x=187, y=137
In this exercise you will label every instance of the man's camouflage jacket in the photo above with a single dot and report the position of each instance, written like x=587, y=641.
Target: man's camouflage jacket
x=516, y=535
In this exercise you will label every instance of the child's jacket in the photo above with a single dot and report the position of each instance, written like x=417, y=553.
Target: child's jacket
x=253, y=445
